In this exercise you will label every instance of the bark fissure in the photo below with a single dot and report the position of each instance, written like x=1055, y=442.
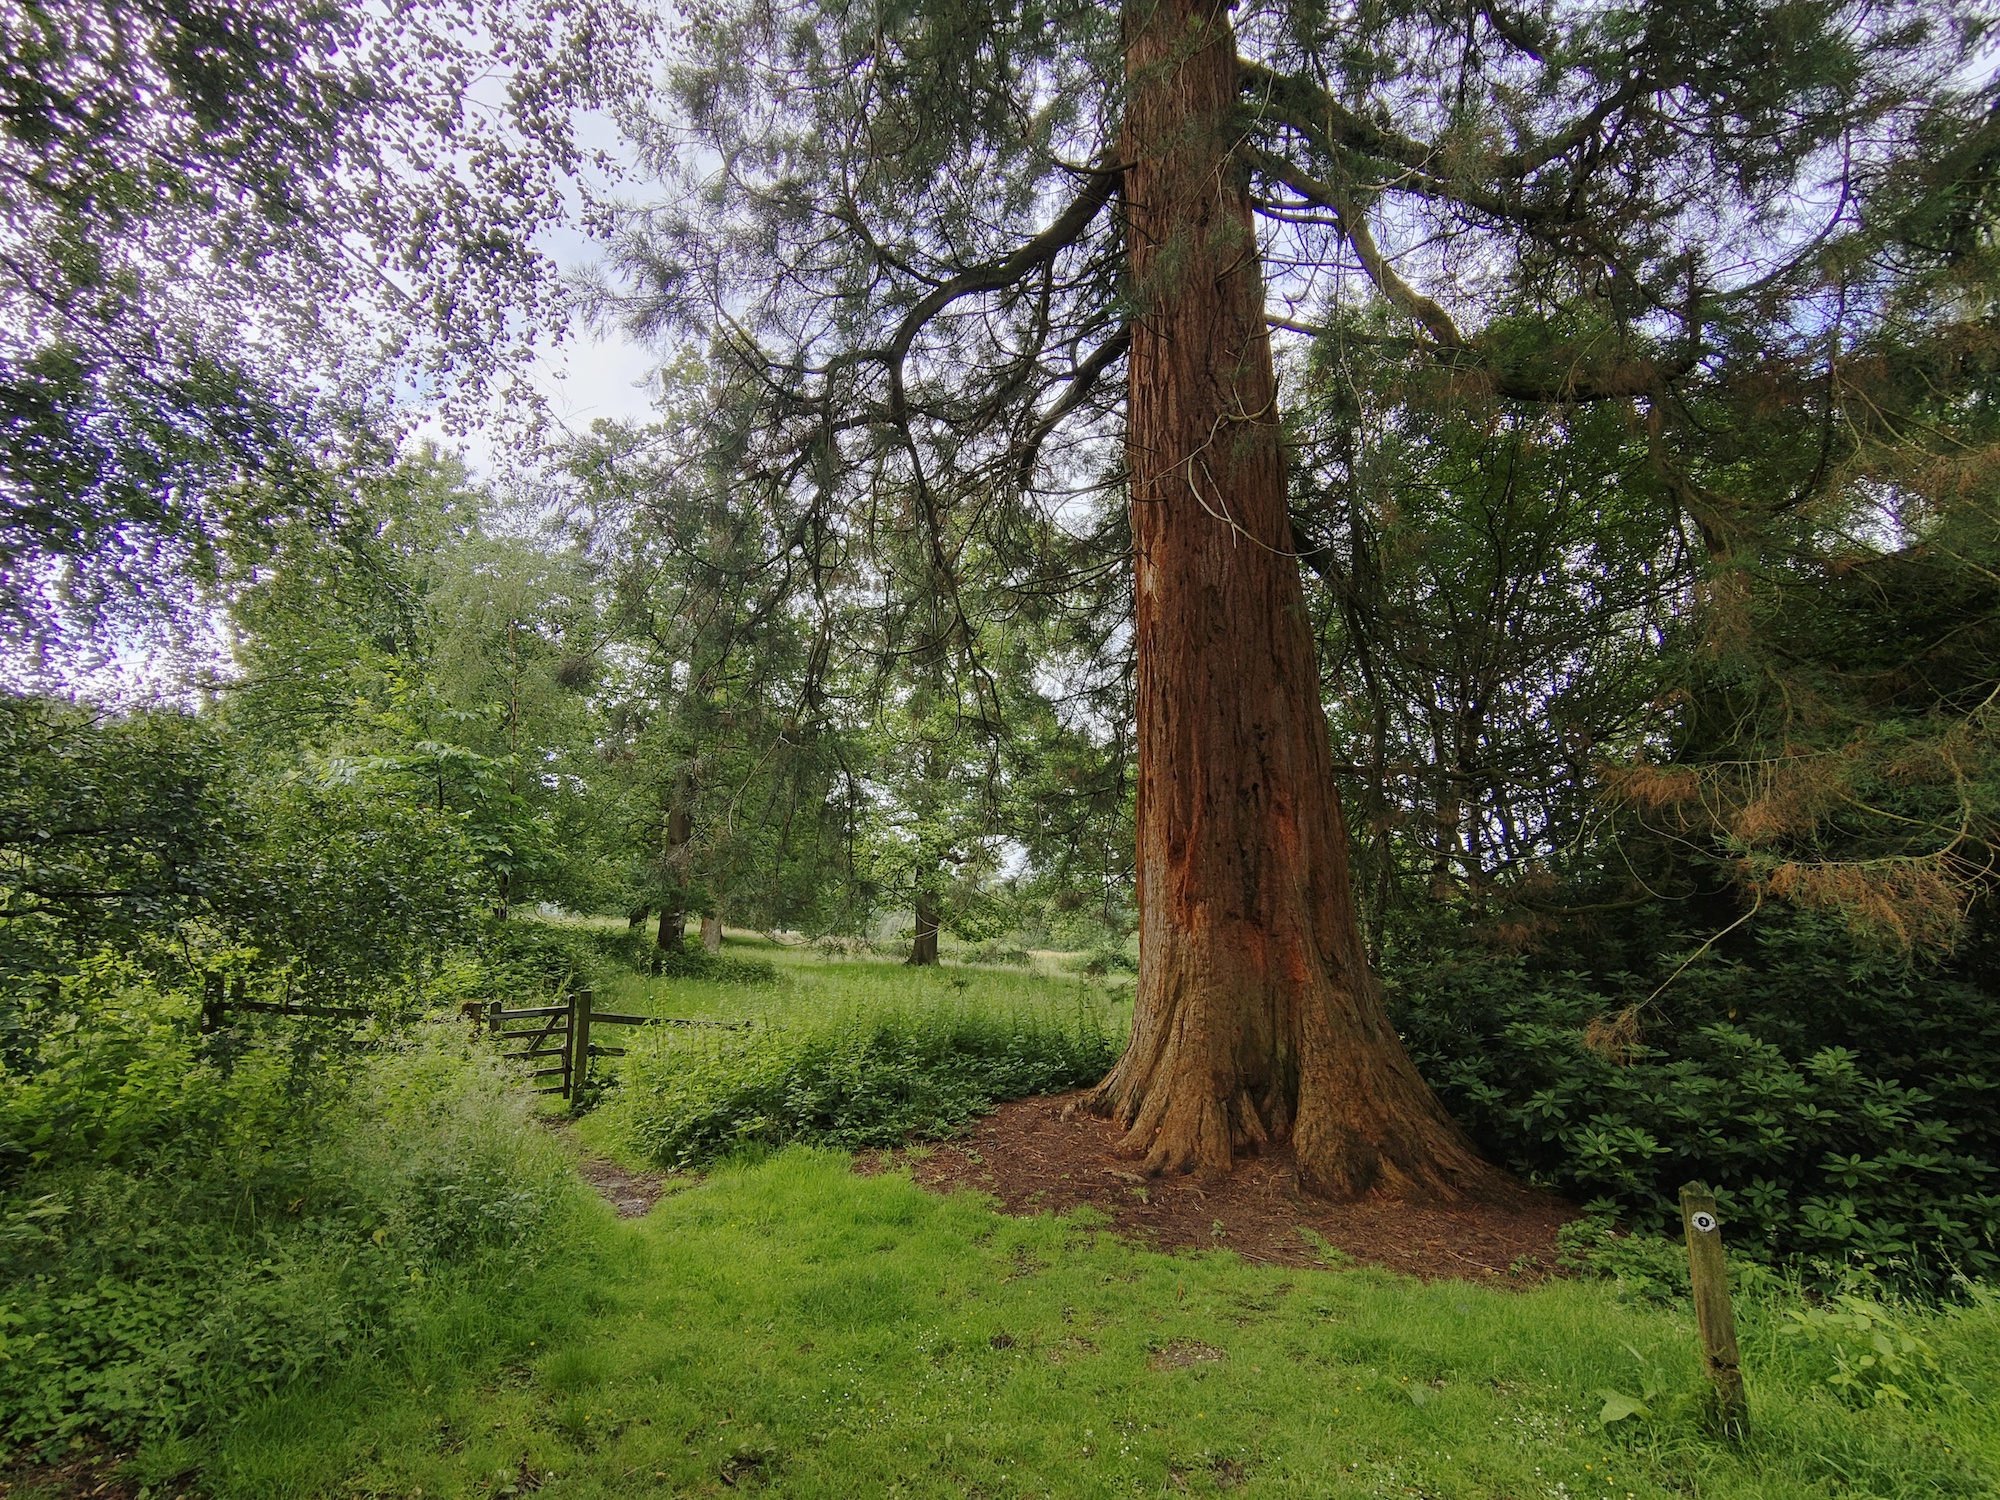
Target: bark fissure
x=1256, y=1018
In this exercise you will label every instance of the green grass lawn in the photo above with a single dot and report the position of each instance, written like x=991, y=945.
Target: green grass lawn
x=787, y=1325
x=791, y=1325
x=816, y=988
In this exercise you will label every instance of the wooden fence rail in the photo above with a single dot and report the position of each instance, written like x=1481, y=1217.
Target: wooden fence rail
x=523, y=1034
x=566, y=1034
x=216, y=1004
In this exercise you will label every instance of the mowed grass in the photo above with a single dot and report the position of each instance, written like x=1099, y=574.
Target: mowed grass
x=794, y=1327
x=787, y=1326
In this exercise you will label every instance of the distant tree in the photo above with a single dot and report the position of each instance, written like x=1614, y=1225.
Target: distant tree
x=427, y=649
x=726, y=728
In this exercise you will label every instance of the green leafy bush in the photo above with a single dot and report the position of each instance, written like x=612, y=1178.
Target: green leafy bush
x=188, y=1223
x=1842, y=1102
x=715, y=968
x=997, y=951
x=1107, y=959
x=1872, y=1352
x=613, y=949
x=877, y=1081
x=525, y=957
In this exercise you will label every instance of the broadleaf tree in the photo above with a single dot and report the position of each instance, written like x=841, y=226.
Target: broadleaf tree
x=1001, y=262
x=228, y=233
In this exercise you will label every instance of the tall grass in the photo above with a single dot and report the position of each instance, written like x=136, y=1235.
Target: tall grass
x=190, y=1224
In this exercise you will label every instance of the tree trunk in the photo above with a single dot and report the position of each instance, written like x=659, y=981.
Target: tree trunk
x=1256, y=1017
x=673, y=907
x=711, y=933
x=635, y=919
x=923, y=952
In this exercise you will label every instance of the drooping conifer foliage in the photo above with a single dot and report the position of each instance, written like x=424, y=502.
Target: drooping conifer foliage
x=1019, y=265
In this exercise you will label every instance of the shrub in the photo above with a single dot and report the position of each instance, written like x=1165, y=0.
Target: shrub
x=1107, y=959
x=524, y=957
x=697, y=963
x=879, y=1081
x=994, y=951
x=1841, y=1102
x=188, y=1223
x=612, y=949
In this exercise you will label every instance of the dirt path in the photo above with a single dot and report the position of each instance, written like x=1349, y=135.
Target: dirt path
x=633, y=1194
x=90, y=1475
x=1047, y=1155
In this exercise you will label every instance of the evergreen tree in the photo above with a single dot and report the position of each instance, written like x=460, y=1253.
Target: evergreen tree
x=1564, y=205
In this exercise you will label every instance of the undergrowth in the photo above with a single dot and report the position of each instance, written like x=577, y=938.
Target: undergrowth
x=864, y=1080
x=191, y=1223
x=1840, y=1101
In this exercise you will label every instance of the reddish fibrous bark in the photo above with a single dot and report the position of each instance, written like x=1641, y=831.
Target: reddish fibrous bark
x=1257, y=1019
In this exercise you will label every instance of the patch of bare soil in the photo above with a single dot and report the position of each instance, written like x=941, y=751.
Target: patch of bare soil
x=88, y=1475
x=633, y=1194
x=1049, y=1155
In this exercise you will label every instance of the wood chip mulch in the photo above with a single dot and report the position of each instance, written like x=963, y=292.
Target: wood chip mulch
x=1048, y=1155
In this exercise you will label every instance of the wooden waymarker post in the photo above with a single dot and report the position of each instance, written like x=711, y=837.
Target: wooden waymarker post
x=1713, y=1316
x=579, y=1033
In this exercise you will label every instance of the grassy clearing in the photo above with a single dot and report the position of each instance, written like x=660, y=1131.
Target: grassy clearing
x=792, y=1326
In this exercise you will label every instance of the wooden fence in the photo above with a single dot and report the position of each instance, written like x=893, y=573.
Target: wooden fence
x=216, y=1003
x=557, y=1035
x=563, y=1032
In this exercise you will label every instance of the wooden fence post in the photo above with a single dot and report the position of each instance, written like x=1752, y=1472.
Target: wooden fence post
x=579, y=1031
x=1713, y=1316
x=493, y=1009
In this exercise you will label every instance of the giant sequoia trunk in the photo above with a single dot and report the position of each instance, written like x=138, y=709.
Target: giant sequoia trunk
x=1256, y=1019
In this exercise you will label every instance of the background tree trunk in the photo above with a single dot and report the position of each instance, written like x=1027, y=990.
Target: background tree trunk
x=673, y=910
x=1256, y=1017
x=711, y=933
x=924, y=950
x=635, y=919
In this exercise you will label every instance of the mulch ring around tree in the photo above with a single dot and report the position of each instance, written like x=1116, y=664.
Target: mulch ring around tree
x=1049, y=1155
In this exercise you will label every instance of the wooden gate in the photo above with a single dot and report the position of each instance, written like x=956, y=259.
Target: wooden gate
x=535, y=1033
